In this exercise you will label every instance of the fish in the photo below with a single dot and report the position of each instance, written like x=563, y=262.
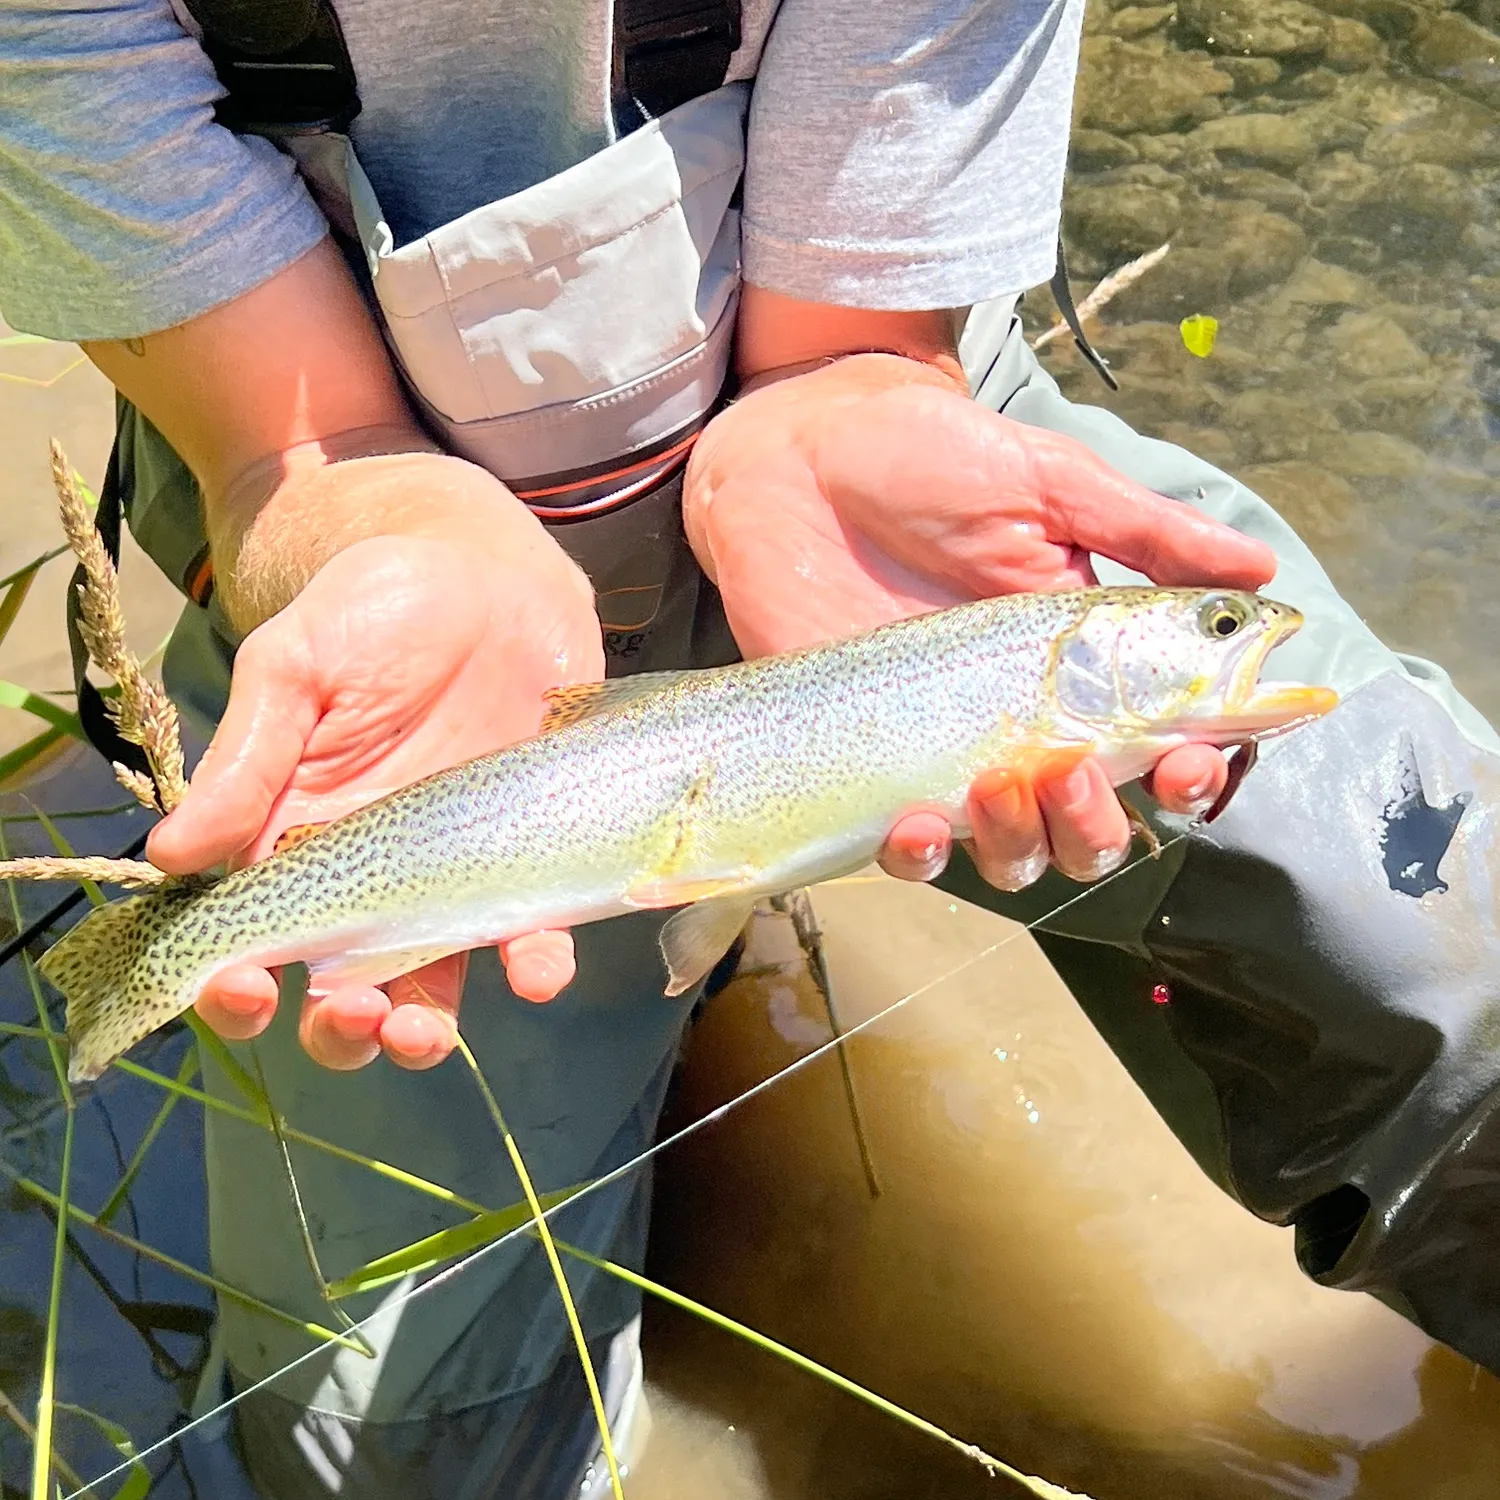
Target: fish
x=702, y=790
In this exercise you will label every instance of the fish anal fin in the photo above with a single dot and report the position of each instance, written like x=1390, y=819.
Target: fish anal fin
x=368, y=966
x=697, y=937
x=298, y=833
x=567, y=705
x=660, y=891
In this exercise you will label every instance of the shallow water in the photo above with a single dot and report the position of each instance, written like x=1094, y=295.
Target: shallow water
x=1046, y=1273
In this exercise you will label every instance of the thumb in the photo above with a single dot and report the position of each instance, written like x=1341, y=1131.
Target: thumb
x=274, y=706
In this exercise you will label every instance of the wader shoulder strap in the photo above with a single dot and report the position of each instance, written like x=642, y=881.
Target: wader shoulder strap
x=669, y=51
x=1062, y=294
x=283, y=62
x=92, y=713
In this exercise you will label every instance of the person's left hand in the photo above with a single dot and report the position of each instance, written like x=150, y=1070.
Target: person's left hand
x=870, y=489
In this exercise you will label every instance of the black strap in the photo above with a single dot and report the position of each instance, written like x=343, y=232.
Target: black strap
x=669, y=51
x=1062, y=294
x=284, y=63
x=92, y=713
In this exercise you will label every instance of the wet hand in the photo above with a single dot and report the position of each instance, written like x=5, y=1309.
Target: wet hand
x=838, y=499
x=401, y=657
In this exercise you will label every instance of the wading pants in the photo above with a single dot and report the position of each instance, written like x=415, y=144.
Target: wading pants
x=1330, y=1054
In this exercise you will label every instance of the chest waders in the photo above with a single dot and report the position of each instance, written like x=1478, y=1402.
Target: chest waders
x=1329, y=947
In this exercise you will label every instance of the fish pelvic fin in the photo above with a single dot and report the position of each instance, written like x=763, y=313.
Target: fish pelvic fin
x=697, y=937
x=118, y=991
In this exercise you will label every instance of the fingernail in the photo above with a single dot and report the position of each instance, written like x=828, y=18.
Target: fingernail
x=1105, y=862
x=1017, y=874
x=1196, y=806
x=1073, y=790
x=1003, y=803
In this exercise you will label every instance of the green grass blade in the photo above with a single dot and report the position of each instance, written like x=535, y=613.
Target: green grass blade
x=15, y=596
x=309, y=1250
x=236, y=1112
x=138, y=1483
x=64, y=848
x=544, y=1234
x=116, y=1199
x=43, y=1017
x=445, y=1245
x=212, y=1043
x=1040, y=1487
x=171, y=1263
x=46, y=1408
x=36, y=564
x=16, y=340
x=24, y=756
x=13, y=695
x=14, y=1415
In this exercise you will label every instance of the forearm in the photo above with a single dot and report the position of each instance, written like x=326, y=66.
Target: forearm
x=260, y=397
x=777, y=336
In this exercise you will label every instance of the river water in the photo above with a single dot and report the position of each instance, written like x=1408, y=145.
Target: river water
x=1045, y=1272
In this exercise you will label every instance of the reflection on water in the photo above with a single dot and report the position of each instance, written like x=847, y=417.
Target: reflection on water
x=1046, y=1274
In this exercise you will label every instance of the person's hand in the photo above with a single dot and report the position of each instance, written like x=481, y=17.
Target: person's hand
x=863, y=491
x=402, y=656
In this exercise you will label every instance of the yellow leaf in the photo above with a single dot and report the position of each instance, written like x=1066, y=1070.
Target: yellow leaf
x=1199, y=333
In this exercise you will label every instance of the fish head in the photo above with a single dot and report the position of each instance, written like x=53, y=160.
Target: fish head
x=1182, y=664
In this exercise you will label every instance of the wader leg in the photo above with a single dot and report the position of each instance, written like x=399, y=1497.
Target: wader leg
x=1308, y=989
x=475, y=1393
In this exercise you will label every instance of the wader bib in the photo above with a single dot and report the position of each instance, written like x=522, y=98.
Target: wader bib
x=1330, y=1051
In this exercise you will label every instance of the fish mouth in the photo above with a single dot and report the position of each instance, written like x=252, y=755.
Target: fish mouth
x=1258, y=710
x=1276, y=707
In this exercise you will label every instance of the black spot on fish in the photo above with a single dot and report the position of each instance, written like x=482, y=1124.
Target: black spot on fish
x=1416, y=834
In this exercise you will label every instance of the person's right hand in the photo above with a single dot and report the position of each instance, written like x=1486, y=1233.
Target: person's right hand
x=402, y=656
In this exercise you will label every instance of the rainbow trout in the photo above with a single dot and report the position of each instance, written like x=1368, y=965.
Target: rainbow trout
x=702, y=790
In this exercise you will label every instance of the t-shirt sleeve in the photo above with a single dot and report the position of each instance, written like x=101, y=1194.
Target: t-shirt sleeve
x=124, y=208
x=908, y=154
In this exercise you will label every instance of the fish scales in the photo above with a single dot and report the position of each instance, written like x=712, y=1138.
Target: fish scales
x=721, y=785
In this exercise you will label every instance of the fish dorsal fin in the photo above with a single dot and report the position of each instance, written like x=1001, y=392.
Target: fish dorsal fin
x=567, y=705
x=298, y=833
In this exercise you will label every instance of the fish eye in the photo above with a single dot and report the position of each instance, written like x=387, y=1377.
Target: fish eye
x=1221, y=617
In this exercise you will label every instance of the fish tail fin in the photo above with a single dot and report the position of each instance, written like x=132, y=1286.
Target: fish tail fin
x=118, y=987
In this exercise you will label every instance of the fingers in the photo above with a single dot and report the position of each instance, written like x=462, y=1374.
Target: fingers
x=422, y=1028
x=239, y=1003
x=1009, y=844
x=539, y=965
x=1093, y=506
x=1189, y=780
x=413, y=1020
x=1073, y=820
x=918, y=847
x=1086, y=825
x=273, y=709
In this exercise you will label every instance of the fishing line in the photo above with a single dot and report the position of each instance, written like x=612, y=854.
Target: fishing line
x=712, y=1117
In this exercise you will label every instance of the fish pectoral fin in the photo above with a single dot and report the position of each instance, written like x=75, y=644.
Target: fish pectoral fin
x=697, y=937
x=289, y=838
x=567, y=705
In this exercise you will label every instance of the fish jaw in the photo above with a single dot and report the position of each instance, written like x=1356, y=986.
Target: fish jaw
x=1273, y=708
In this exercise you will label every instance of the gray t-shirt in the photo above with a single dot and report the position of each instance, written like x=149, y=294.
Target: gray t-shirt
x=902, y=153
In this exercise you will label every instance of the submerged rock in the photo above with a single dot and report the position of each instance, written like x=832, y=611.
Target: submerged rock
x=1261, y=28
x=1131, y=87
x=1460, y=52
